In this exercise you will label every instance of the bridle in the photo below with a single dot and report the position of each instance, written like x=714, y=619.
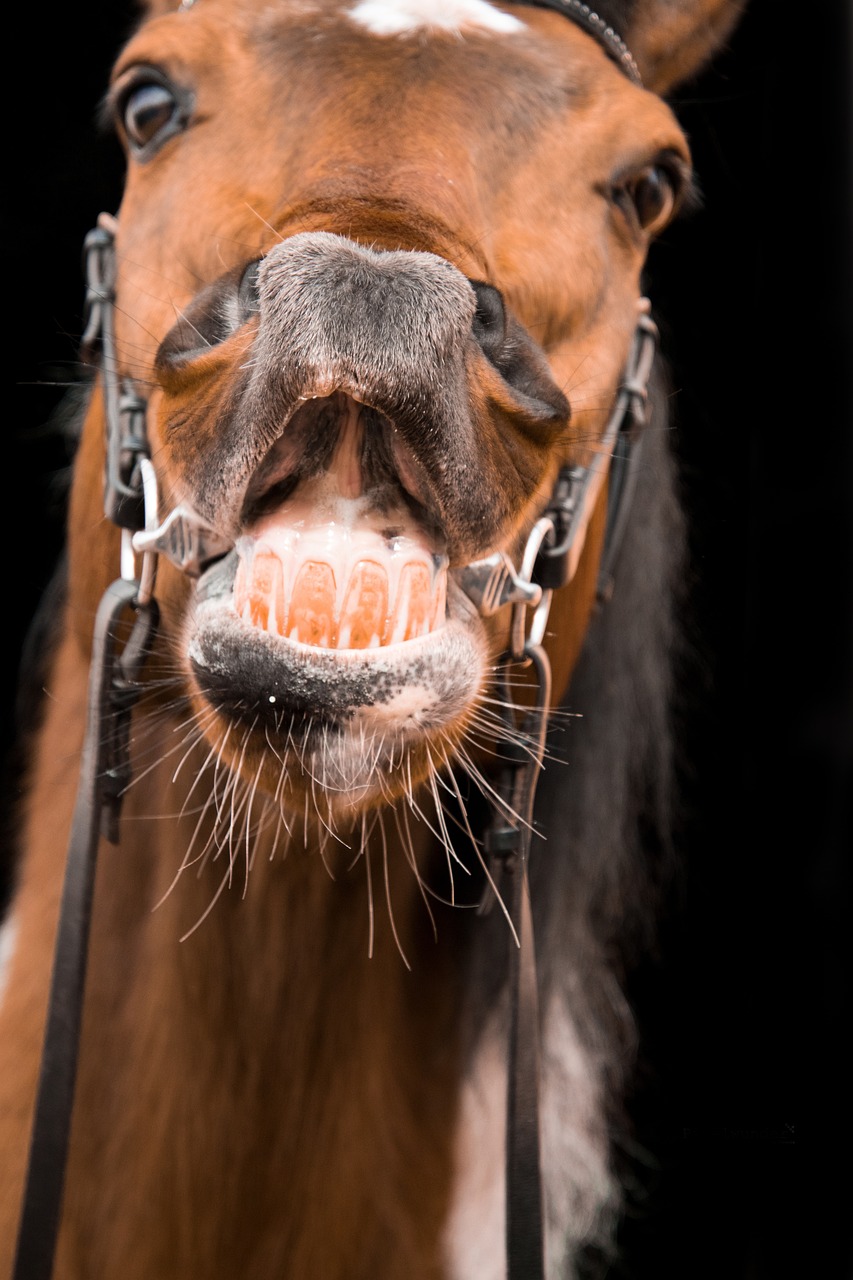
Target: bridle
x=548, y=562
x=596, y=26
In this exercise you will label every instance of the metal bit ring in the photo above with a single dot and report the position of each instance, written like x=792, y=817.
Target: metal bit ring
x=543, y=528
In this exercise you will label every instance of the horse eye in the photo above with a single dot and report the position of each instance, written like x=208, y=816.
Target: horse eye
x=652, y=195
x=149, y=111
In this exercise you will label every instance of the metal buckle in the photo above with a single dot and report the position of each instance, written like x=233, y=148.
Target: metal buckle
x=519, y=638
x=124, y=409
x=493, y=582
x=507, y=837
x=148, y=572
x=185, y=538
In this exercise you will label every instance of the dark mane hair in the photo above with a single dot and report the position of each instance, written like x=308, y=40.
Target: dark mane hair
x=605, y=809
x=26, y=698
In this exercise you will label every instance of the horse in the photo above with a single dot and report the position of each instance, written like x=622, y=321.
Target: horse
x=359, y=659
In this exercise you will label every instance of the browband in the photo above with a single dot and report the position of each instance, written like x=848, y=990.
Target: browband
x=611, y=42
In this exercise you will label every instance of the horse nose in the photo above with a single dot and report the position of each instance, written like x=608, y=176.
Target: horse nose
x=445, y=378
x=380, y=324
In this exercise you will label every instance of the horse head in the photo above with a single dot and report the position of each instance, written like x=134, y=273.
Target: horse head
x=375, y=304
x=366, y=331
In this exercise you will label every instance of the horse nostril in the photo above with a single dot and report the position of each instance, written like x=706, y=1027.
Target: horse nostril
x=248, y=294
x=489, y=324
x=213, y=316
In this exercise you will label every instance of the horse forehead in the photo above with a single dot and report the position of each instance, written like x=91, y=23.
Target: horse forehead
x=417, y=44
x=396, y=17
x=308, y=111
x=387, y=17
x=313, y=87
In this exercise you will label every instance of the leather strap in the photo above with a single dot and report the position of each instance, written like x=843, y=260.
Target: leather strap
x=525, y=1251
x=112, y=691
x=586, y=17
x=507, y=843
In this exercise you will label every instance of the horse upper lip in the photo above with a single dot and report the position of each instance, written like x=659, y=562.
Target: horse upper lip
x=356, y=446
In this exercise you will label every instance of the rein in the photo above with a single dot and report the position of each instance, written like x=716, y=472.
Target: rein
x=549, y=561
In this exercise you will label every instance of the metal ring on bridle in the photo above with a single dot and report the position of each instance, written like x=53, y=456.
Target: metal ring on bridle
x=519, y=638
x=148, y=571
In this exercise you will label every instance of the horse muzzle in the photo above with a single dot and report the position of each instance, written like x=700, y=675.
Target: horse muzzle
x=387, y=369
x=358, y=425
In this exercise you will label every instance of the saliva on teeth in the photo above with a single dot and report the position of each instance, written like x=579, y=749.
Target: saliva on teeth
x=338, y=586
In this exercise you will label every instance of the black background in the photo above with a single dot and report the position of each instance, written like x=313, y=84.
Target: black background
x=743, y=1098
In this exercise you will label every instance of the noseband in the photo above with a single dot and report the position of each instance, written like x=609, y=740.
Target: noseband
x=549, y=561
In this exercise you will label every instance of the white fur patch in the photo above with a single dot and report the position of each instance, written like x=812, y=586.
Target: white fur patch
x=474, y=1235
x=578, y=1187
x=400, y=17
x=8, y=938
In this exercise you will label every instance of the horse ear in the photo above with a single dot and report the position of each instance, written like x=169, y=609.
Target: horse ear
x=672, y=40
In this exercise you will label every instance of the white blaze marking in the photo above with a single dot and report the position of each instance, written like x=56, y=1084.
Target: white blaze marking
x=398, y=17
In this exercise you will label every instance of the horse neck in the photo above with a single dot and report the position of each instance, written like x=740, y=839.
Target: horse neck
x=208, y=869
x=266, y=931
x=280, y=992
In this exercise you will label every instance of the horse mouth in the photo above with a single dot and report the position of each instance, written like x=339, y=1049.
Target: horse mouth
x=335, y=617
x=338, y=550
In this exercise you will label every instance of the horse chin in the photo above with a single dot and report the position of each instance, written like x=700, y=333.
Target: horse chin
x=346, y=728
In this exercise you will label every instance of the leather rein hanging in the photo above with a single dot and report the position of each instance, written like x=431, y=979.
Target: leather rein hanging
x=119, y=652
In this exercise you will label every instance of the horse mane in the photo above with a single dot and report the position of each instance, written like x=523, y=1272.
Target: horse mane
x=607, y=800
x=41, y=635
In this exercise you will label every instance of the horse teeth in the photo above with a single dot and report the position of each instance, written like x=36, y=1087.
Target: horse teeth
x=413, y=606
x=358, y=604
x=241, y=588
x=365, y=607
x=440, y=605
x=312, y=605
x=267, y=593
